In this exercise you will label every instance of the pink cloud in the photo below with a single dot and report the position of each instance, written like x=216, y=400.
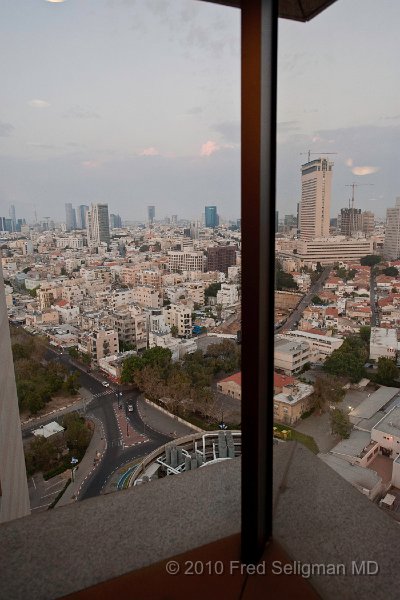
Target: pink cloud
x=209, y=148
x=91, y=164
x=149, y=152
x=364, y=170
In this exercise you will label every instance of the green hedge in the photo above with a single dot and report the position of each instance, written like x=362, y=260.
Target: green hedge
x=54, y=472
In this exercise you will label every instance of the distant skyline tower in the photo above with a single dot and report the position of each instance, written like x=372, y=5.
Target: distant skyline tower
x=391, y=246
x=316, y=183
x=14, y=496
x=70, y=221
x=115, y=221
x=98, y=229
x=81, y=212
x=211, y=218
x=12, y=217
x=151, y=214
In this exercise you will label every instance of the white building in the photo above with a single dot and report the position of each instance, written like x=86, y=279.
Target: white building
x=228, y=294
x=290, y=355
x=328, y=251
x=321, y=345
x=186, y=261
x=316, y=181
x=383, y=343
x=391, y=246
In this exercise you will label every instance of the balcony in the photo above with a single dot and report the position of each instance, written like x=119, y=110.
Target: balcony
x=42, y=557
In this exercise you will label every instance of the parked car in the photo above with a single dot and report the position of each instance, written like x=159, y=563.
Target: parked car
x=105, y=383
x=130, y=407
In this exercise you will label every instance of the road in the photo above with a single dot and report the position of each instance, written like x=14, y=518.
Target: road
x=101, y=406
x=306, y=300
x=374, y=308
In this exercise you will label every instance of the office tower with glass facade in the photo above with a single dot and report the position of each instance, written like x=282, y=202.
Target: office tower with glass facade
x=70, y=221
x=98, y=228
x=211, y=218
x=151, y=214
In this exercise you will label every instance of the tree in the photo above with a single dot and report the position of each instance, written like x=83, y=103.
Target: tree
x=320, y=268
x=327, y=391
x=77, y=433
x=212, y=289
x=129, y=368
x=317, y=300
x=391, y=271
x=370, y=260
x=174, y=331
x=42, y=455
x=387, y=372
x=365, y=333
x=283, y=281
x=340, y=423
x=348, y=360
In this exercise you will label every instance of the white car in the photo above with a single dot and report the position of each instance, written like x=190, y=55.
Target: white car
x=105, y=383
x=130, y=408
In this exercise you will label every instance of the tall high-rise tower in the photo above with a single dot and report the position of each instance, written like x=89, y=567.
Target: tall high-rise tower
x=316, y=181
x=211, y=218
x=12, y=217
x=70, y=221
x=391, y=246
x=14, y=497
x=81, y=212
x=98, y=227
x=151, y=214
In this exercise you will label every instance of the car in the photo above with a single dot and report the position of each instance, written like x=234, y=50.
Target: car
x=105, y=383
x=130, y=407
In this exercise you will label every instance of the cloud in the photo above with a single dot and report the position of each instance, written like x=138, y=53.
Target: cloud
x=364, y=170
x=230, y=130
x=150, y=152
x=196, y=110
x=349, y=162
x=40, y=145
x=91, y=164
x=209, y=148
x=38, y=103
x=6, y=129
x=77, y=112
x=55, y=1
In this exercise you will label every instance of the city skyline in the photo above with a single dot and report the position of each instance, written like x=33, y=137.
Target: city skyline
x=112, y=141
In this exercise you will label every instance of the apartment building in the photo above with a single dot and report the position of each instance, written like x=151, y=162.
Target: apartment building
x=220, y=258
x=391, y=246
x=148, y=277
x=195, y=292
x=131, y=326
x=146, y=295
x=180, y=317
x=228, y=294
x=186, y=261
x=290, y=355
x=101, y=343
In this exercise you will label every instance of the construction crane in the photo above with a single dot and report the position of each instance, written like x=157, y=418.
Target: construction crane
x=318, y=153
x=352, y=215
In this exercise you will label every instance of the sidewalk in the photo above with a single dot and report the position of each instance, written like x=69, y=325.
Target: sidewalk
x=160, y=422
x=92, y=459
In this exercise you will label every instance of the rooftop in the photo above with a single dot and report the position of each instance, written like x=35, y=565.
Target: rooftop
x=390, y=423
x=373, y=404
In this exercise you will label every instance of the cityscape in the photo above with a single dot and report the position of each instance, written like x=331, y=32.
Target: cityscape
x=161, y=258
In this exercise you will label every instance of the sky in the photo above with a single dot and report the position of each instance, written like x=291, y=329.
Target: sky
x=137, y=102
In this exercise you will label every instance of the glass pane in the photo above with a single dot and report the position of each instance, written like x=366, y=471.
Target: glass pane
x=120, y=233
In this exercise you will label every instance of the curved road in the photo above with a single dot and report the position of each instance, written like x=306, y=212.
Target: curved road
x=101, y=407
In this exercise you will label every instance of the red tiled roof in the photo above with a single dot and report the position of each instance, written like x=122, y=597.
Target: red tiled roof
x=331, y=311
x=236, y=377
x=282, y=380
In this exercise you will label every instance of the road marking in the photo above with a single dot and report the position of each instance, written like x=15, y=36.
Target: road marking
x=34, y=482
x=52, y=493
x=41, y=506
x=52, y=485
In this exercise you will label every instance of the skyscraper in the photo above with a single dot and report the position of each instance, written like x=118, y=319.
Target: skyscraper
x=81, y=212
x=14, y=497
x=316, y=181
x=12, y=217
x=391, y=246
x=98, y=228
x=151, y=214
x=115, y=221
x=211, y=216
x=70, y=222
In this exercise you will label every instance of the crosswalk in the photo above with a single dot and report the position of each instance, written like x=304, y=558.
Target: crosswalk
x=105, y=393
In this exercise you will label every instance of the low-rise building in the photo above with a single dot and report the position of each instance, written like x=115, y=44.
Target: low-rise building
x=291, y=354
x=293, y=401
x=321, y=346
x=231, y=386
x=383, y=343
